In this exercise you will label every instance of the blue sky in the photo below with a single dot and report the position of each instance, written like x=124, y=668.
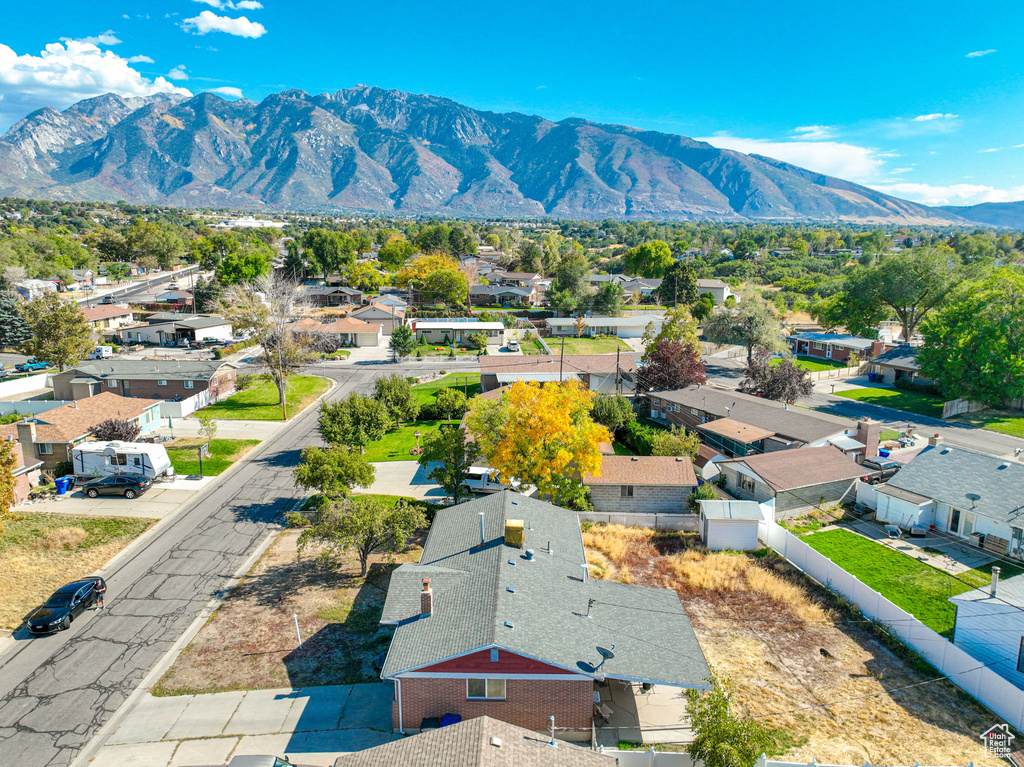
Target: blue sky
x=922, y=100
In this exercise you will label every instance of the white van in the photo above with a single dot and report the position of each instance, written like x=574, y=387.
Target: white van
x=100, y=459
x=101, y=353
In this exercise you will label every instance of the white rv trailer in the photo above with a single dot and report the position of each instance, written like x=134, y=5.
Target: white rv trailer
x=99, y=459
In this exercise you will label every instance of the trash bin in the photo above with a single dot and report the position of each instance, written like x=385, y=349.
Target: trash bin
x=62, y=484
x=871, y=377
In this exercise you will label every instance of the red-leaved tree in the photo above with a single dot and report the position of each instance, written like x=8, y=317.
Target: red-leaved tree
x=672, y=365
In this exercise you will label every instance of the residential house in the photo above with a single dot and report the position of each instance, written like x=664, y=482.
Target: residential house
x=50, y=436
x=452, y=331
x=391, y=299
x=605, y=373
x=333, y=295
x=29, y=289
x=179, y=299
x=778, y=252
x=479, y=742
x=347, y=331
x=499, y=618
x=729, y=525
x=620, y=327
x=642, y=286
x=26, y=473
x=965, y=493
x=898, y=363
x=176, y=329
x=706, y=463
x=989, y=626
x=108, y=317
x=738, y=424
x=719, y=290
x=795, y=479
x=649, y=484
x=189, y=384
x=502, y=295
x=80, y=279
x=835, y=346
x=387, y=316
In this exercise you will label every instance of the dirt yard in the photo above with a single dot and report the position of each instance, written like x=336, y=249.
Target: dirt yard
x=250, y=642
x=777, y=636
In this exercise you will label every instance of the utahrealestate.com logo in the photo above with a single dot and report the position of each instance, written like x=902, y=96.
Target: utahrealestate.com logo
x=998, y=741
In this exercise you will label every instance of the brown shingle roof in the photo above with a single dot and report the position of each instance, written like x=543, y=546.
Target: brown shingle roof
x=76, y=419
x=399, y=313
x=800, y=467
x=736, y=430
x=658, y=470
x=571, y=364
x=105, y=312
x=470, y=744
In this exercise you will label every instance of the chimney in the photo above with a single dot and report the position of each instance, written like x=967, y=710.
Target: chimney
x=868, y=432
x=26, y=433
x=426, y=598
x=934, y=439
x=995, y=581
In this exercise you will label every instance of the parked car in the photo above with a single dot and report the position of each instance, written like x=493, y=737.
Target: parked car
x=63, y=606
x=879, y=470
x=481, y=479
x=260, y=760
x=512, y=345
x=31, y=364
x=128, y=485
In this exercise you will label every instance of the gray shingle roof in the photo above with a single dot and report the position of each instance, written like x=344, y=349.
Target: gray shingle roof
x=836, y=339
x=1009, y=593
x=468, y=744
x=948, y=474
x=653, y=638
x=903, y=356
x=795, y=423
x=145, y=370
x=731, y=510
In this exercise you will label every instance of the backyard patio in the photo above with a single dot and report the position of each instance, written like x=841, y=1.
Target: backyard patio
x=627, y=712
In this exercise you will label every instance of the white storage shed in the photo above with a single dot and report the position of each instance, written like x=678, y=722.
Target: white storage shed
x=729, y=525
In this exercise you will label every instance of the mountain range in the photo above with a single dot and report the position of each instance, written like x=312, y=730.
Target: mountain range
x=370, y=150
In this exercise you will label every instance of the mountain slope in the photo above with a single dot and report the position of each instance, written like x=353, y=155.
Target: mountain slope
x=1008, y=214
x=374, y=150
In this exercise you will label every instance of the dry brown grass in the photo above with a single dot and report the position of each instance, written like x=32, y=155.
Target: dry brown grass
x=63, y=538
x=765, y=625
x=250, y=643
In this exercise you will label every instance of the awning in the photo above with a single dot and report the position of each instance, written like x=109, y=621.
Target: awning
x=846, y=443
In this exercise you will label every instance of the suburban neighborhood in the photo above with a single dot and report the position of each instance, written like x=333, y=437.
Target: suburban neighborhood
x=455, y=493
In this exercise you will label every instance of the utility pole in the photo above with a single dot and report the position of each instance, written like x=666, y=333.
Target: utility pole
x=561, y=360
x=618, y=372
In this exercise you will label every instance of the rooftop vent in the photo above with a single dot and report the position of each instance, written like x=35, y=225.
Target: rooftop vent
x=512, y=562
x=496, y=742
x=510, y=624
x=529, y=555
x=514, y=533
x=511, y=589
x=634, y=458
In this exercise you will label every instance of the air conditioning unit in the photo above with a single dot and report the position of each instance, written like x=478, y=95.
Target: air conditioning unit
x=978, y=539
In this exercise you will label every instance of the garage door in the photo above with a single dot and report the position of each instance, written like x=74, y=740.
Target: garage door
x=734, y=536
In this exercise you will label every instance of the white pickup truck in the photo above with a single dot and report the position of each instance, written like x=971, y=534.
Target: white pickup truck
x=482, y=479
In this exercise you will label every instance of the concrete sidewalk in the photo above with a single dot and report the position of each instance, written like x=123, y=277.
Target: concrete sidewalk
x=312, y=726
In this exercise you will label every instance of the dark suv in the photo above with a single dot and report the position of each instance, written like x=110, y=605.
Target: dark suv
x=879, y=470
x=128, y=485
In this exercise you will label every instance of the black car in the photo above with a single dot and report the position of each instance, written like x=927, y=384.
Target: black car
x=128, y=485
x=879, y=469
x=63, y=606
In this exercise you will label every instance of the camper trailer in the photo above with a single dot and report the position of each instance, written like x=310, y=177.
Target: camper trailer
x=98, y=459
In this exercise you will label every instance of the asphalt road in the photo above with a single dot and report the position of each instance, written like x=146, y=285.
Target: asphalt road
x=57, y=691
x=141, y=290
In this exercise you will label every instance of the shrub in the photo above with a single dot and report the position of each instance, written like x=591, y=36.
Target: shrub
x=296, y=519
x=244, y=382
x=218, y=354
x=921, y=388
x=703, y=492
x=63, y=469
x=639, y=437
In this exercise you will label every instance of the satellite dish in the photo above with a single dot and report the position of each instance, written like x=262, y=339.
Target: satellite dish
x=973, y=498
x=606, y=653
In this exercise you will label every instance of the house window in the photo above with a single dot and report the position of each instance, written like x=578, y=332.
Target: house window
x=485, y=689
x=112, y=383
x=745, y=483
x=626, y=491
x=190, y=384
x=819, y=347
x=161, y=383
x=45, y=448
x=494, y=655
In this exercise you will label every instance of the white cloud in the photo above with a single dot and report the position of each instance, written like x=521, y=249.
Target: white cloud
x=228, y=90
x=935, y=116
x=247, y=5
x=812, y=132
x=847, y=161
x=208, y=21
x=241, y=5
x=213, y=3
x=103, y=38
x=954, y=194
x=979, y=54
x=65, y=73
x=178, y=73
x=140, y=60
x=993, y=149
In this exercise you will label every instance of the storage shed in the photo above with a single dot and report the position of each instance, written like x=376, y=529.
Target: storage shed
x=729, y=525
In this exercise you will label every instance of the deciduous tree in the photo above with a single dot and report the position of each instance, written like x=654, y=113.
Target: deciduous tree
x=117, y=429
x=721, y=738
x=366, y=524
x=675, y=441
x=672, y=365
x=649, y=259
x=8, y=465
x=540, y=435
x=60, y=334
x=755, y=326
x=395, y=393
x=453, y=455
x=449, y=402
x=353, y=422
x=613, y=411
x=677, y=325
x=607, y=300
x=784, y=381
x=435, y=279
x=332, y=472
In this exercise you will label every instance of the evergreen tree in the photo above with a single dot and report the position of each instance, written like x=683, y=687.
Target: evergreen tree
x=14, y=331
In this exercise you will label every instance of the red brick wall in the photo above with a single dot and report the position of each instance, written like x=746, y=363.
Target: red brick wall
x=528, y=703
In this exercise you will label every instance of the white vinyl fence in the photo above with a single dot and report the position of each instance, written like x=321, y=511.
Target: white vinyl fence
x=965, y=671
x=685, y=522
x=838, y=373
x=649, y=758
x=24, y=385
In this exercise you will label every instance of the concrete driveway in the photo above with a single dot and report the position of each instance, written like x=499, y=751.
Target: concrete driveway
x=406, y=478
x=157, y=503
x=312, y=726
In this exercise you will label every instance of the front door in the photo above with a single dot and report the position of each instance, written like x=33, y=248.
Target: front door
x=954, y=521
x=126, y=388
x=1017, y=542
x=828, y=352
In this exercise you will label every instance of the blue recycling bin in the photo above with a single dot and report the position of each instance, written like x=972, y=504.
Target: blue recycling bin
x=62, y=484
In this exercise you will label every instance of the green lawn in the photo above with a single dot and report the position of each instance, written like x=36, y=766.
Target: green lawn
x=920, y=589
x=622, y=449
x=812, y=364
x=397, y=443
x=185, y=459
x=587, y=345
x=469, y=383
x=912, y=402
x=531, y=347
x=259, y=402
x=995, y=420
x=440, y=350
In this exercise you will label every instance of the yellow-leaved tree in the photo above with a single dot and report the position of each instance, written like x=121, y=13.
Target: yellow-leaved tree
x=542, y=435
